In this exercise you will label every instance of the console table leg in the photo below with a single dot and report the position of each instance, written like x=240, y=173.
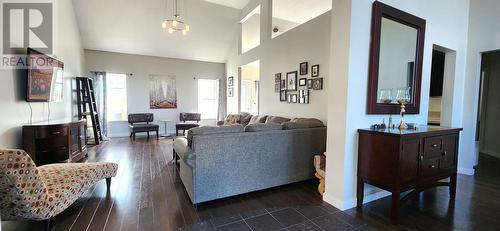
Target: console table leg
x=395, y=207
x=453, y=185
x=360, y=193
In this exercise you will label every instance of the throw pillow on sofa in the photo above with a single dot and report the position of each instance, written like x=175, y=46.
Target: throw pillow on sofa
x=263, y=127
x=276, y=119
x=232, y=119
x=205, y=130
x=245, y=118
x=258, y=119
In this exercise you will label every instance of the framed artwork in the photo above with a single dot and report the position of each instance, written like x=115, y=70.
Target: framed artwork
x=277, y=87
x=309, y=84
x=293, y=98
x=303, y=96
x=315, y=70
x=303, y=68
x=230, y=92
x=283, y=84
x=162, y=92
x=291, y=81
x=302, y=82
x=277, y=77
x=318, y=84
x=230, y=81
x=283, y=96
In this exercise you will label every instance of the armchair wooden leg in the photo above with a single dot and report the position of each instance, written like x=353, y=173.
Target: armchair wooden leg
x=130, y=135
x=133, y=136
x=157, y=136
x=48, y=224
x=148, y=135
x=108, y=183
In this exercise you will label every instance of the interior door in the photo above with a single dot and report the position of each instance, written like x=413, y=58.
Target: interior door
x=490, y=105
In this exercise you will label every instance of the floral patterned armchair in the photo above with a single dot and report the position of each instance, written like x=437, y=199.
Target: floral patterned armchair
x=28, y=192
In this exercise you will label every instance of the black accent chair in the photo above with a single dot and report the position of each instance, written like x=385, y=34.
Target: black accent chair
x=140, y=122
x=187, y=122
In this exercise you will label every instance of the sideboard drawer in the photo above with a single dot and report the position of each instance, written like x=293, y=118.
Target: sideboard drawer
x=433, y=144
x=51, y=132
x=429, y=167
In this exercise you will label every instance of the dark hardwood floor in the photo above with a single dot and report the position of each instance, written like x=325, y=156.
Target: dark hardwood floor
x=147, y=194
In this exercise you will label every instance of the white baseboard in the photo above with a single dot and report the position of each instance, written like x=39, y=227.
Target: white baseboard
x=351, y=203
x=466, y=171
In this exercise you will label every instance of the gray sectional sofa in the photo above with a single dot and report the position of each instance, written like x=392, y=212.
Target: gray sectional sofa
x=218, y=162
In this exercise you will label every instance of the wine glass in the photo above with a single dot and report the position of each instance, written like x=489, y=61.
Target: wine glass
x=385, y=96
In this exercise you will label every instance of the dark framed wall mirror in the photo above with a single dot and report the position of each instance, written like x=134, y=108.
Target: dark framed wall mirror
x=396, y=53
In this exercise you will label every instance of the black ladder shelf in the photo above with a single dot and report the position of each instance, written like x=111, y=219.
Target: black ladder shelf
x=87, y=105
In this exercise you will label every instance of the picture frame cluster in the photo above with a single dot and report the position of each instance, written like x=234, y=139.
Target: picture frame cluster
x=286, y=85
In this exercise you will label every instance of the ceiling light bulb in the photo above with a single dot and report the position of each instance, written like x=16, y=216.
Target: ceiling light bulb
x=170, y=30
x=164, y=24
x=184, y=32
x=174, y=23
x=187, y=27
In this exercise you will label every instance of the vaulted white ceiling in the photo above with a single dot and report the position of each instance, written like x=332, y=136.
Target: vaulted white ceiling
x=134, y=27
x=238, y=4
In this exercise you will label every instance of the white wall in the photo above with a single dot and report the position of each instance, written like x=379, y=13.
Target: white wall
x=308, y=42
x=484, y=35
x=15, y=111
x=141, y=68
x=350, y=44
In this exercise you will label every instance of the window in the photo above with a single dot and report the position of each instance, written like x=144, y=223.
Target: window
x=208, y=98
x=250, y=30
x=288, y=14
x=116, y=96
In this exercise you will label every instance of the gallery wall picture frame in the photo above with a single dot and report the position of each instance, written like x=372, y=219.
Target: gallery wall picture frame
x=230, y=92
x=291, y=81
x=230, y=81
x=277, y=87
x=318, y=84
x=294, y=98
x=283, y=96
x=283, y=84
x=315, y=70
x=277, y=77
x=302, y=82
x=304, y=67
x=309, y=84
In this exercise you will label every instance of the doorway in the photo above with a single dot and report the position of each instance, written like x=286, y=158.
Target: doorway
x=249, y=88
x=436, y=90
x=488, y=124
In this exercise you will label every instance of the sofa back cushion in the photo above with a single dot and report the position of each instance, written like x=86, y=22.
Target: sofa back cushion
x=258, y=119
x=213, y=130
x=299, y=123
x=276, y=119
x=245, y=118
x=232, y=119
x=263, y=127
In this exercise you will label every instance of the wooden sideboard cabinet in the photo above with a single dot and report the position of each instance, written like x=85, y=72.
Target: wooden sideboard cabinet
x=56, y=141
x=402, y=160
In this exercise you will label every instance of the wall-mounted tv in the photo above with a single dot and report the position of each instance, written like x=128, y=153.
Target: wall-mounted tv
x=45, y=78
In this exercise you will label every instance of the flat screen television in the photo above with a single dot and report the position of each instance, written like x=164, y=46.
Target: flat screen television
x=45, y=78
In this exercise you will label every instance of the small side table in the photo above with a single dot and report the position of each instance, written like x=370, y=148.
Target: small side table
x=166, y=133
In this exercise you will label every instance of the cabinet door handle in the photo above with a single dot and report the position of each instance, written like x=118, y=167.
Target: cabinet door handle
x=434, y=145
x=433, y=166
x=56, y=133
x=421, y=157
x=445, y=153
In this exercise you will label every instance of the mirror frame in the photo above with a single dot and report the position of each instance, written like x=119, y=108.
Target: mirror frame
x=382, y=10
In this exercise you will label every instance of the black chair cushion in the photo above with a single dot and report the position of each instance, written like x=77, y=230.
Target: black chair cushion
x=143, y=127
x=186, y=126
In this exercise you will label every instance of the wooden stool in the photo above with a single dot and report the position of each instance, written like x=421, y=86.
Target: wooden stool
x=319, y=164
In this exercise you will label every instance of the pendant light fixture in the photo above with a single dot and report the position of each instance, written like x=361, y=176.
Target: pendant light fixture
x=175, y=24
